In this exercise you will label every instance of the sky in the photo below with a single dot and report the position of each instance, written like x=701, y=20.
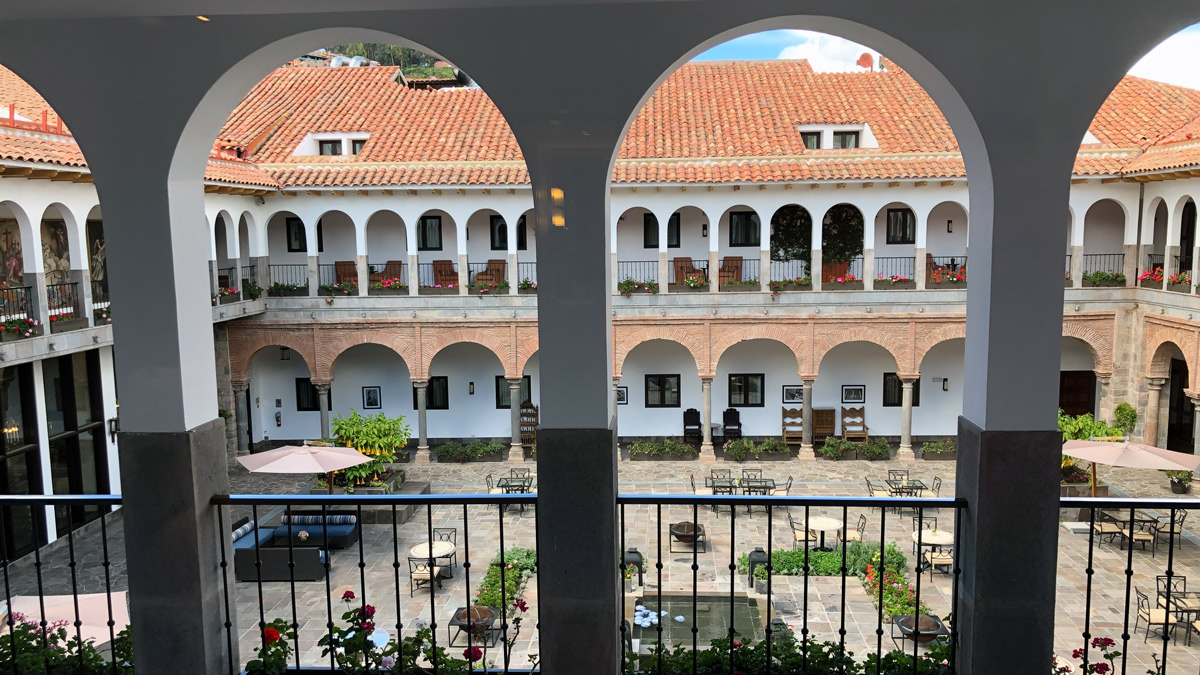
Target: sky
x=1172, y=61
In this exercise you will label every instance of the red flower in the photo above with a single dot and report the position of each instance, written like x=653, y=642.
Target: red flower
x=367, y=611
x=1101, y=668
x=737, y=643
x=270, y=635
x=472, y=654
x=348, y=596
x=368, y=626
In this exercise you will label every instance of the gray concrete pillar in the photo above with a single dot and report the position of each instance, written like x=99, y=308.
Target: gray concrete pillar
x=815, y=267
x=414, y=272
x=364, y=274
x=806, y=441
x=262, y=272
x=764, y=266
x=714, y=266
x=241, y=412
x=323, y=397
x=464, y=274
x=906, y=403
x=1130, y=264
x=39, y=301
x=919, y=274
x=1170, y=264
x=515, y=452
x=83, y=295
x=213, y=277
x=423, y=455
x=1104, y=403
x=314, y=275
x=1154, y=386
x=868, y=269
x=514, y=273
x=706, y=447
x=1076, y=268
x=664, y=266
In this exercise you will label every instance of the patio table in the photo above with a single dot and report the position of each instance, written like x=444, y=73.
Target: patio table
x=722, y=486
x=1186, y=605
x=934, y=538
x=907, y=487
x=824, y=524
x=515, y=485
x=757, y=486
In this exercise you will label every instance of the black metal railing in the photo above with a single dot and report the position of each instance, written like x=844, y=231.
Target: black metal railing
x=902, y=268
x=782, y=270
x=437, y=274
x=940, y=269
x=1154, y=261
x=63, y=299
x=637, y=270
x=249, y=274
x=785, y=550
x=1183, y=263
x=100, y=299
x=490, y=537
x=693, y=266
x=750, y=269
x=831, y=270
x=326, y=275
x=14, y=303
x=392, y=269
x=225, y=276
x=291, y=275
x=527, y=270
x=1108, y=263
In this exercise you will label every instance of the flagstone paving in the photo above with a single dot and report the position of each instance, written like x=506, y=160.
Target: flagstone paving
x=821, y=606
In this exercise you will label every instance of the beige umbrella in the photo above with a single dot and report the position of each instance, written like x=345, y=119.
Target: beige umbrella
x=93, y=613
x=304, y=459
x=1130, y=455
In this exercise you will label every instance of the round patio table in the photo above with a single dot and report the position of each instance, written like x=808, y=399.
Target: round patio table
x=437, y=549
x=824, y=524
x=934, y=537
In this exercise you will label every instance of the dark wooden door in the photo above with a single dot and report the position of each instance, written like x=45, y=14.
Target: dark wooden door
x=1180, y=411
x=1077, y=392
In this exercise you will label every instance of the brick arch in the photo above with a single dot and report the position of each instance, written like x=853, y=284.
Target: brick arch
x=331, y=347
x=1099, y=343
x=1159, y=363
x=626, y=339
x=727, y=336
x=527, y=346
x=497, y=339
x=893, y=338
x=243, y=345
x=929, y=339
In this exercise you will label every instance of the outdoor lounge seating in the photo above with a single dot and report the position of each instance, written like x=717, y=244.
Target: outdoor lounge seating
x=731, y=424
x=493, y=274
x=271, y=563
x=854, y=424
x=731, y=269
x=394, y=269
x=692, y=431
x=345, y=271
x=246, y=534
x=685, y=269
x=444, y=273
x=329, y=530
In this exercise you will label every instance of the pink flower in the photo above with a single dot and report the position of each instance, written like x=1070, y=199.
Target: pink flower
x=348, y=596
x=472, y=654
x=368, y=626
x=367, y=611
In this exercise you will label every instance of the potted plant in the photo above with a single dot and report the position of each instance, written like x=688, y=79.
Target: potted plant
x=796, y=284
x=843, y=282
x=739, y=450
x=945, y=449
x=875, y=449
x=1103, y=279
x=836, y=448
x=1151, y=278
x=438, y=289
x=251, y=291
x=1181, y=481
x=61, y=323
x=743, y=286
x=287, y=290
x=895, y=281
x=944, y=277
x=101, y=316
x=627, y=287
x=526, y=287
x=391, y=286
x=1180, y=282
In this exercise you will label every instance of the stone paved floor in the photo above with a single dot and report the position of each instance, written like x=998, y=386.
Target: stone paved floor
x=826, y=603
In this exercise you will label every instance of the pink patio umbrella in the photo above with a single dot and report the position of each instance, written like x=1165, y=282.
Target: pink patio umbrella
x=93, y=613
x=1130, y=455
x=304, y=459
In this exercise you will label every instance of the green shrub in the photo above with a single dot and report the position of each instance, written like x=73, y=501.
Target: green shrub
x=773, y=446
x=875, y=448
x=1125, y=417
x=938, y=447
x=645, y=449
x=835, y=447
x=740, y=449
x=786, y=562
x=1084, y=427
x=677, y=448
x=519, y=565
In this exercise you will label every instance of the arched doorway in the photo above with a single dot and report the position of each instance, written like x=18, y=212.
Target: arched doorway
x=1077, y=378
x=841, y=244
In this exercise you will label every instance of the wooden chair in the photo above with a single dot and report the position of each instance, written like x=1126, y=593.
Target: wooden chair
x=793, y=426
x=824, y=423
x=394, y=269
x=494, y=273
x=444, y=273
x=422, y=572
x=685, y=269
x=854, y=424
x=731, y=269
x=731, y=424
x=345, y=271
x=692, y=431
x=529, y=423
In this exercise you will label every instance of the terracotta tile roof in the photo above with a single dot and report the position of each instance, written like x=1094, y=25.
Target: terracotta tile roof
x=31, y=146
x=237, y=172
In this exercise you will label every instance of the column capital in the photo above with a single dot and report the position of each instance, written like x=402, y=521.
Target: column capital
x=420, y=384
x=239, y=384
x=322, y=385
x=807, y=380
x=908, y=378
x=1156, y=382
x=706, y=380
x=514, y=381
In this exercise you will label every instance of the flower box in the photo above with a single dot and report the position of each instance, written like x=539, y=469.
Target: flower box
x=1179, y=288
x=434, y=290
x=472, y=290
x=940, y=456
x=795, y=288
x=945, y=285
x=1088, y=283
x=639, y=291
x=230, y=299
x=895, y=285
x=15, y=336
x=848, y=286
x=387, y=291
x=684, y=288
x=291, y=293
x=1150, y=283
x=65, y=325
x=739, y=288
x=527, y=291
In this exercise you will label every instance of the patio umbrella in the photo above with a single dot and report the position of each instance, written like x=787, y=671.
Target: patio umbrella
x=93, y=613
x=1130, y=455
x=304, y=459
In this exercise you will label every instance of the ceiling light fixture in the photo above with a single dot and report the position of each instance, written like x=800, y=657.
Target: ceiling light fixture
x=203, y=18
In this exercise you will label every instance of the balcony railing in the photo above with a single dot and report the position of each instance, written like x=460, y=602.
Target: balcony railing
x=392, y=269
x=692, y=266
x=225, y=276
x=100, y=298
x=831, y=270
x=1108, y=263
x=527, y=270
x=638, y=270
x=62, y=299
x=437, y=274
x=1183, y=263
x=249, y=274
x=1154, y=260
x=327, y=275
x=889, y=267
x=749, y=270
x=291, y=275
x=788, y=269
x=14, y=303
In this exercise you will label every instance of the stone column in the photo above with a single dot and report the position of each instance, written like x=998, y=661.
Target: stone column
x=868, y=269
x=764, y=268
x=815, y=267
x=423, y=454
x=514, y=272
x=242, y=415
x=1104, y=400
x=262, y=272
x=806, y=442
x=1154, y=385
x=364, y=273
x=1076, y=268
x=314, y=275
x=83, y=295
x=1170, y=253
x=664, y=264
x=1196, y=426
x=906, y=401
x=919, y=268
x=213, y=276
x=515, y=452
x=414, y=279
x=464, y=273
x=323, y=397
x=1129, y=264
x=706, y=447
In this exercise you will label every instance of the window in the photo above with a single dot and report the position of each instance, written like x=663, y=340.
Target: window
x=743, y=228
x=356, y=145
x=330, y=147
x=812, y=139
x=307, y=399
x=521, y=240
x=662, y=391
x=77, y=439
x=746, y=391
x=901, y=226
x=429, y=233
x=437, y=394
x=503, y=393
x=499, y=234
x=893, y=391
x=845, y=139
x=296, y=241
x=650, y=231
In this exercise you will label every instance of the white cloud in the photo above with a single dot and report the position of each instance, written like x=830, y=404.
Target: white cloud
x=827, y=53
x=1174, y=60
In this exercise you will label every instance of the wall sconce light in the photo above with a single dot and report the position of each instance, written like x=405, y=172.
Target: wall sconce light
x=285, y=354
x=114, y=427
x=945, y=384
x=471, y=388
x=949, y=225
x=703, y=229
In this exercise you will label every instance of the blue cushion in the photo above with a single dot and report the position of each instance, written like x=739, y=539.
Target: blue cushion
x=243, y=530
x=332, y=519
x=262, y=536
x=315, y=530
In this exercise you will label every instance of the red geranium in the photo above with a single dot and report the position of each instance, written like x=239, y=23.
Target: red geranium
x=472, y=654
x=270, y=635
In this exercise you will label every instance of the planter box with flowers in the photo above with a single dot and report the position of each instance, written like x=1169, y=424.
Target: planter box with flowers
x=288, y=290
x=895, y=282
x=691, y=285
x=451, y=289
x=790, y=285
x=943, y=277
x=489, y=288
x=526, y=287
x=19, y=329
x=344, y=288
x=1103, y=280
x=101, y=316
x=628, y=287
x=62, y=323
x=226, y=296
x=946, y=450
x=1151, y=278
x=387, y=287
x=745, y=286
x=1180, y=282
x=846, y=282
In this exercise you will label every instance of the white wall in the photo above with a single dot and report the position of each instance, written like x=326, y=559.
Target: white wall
x=664, y=358
x=469, y=416
x=629, y=237
x=533, y=370
x=1160, y=231
x=370, y=365
x=882, y=248
x=479, y=238
x=778, y=366
x=272, y=378
x=749, y=254
x=1076, y=355
x=337, y=238
x=1104, y=228
x=386, y=239
x=277, y=242
x=939, y=242
x=858, y=363
x=449, y=242
x=939, y=410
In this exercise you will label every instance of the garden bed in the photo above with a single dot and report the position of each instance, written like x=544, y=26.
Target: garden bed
x=65, y=325
x=477, y=451
x=667, y=450
x=943, y=450
x=527, y=291
x=896, y=285
x=437, y=290
x=13, y=334
x=848, y=286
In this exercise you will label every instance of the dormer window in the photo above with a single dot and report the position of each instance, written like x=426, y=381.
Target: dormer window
x=330, y=147
x=356, y=145
x=332, y=143
x=812, y=139
x=845, y=139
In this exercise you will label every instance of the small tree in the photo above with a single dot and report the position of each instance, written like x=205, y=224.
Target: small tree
x=1125, y=418
x=842, y=234
x=791, y=234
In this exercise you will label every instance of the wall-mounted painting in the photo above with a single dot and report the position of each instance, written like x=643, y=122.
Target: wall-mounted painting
x=793, y=394
x=13, y=272
x=56, y=252
x=97, y=256
x=854, y=393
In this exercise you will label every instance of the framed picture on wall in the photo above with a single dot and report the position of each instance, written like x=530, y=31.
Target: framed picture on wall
x=622, y=395
x=793, y=394
x=372, y=398
x=854, y=393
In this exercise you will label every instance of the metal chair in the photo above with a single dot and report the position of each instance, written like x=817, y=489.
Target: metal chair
x=800, y=535
x=1152, y=616
x=859, y=533
x=422, y=572
x=785, y=491
x=937, y=560
x=1168, y=529
x=751, y=473
x=1177, y=584
x=720, y=473
x=518, y=473
x=897, y=474
x=447, y=534
x=934, y=491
